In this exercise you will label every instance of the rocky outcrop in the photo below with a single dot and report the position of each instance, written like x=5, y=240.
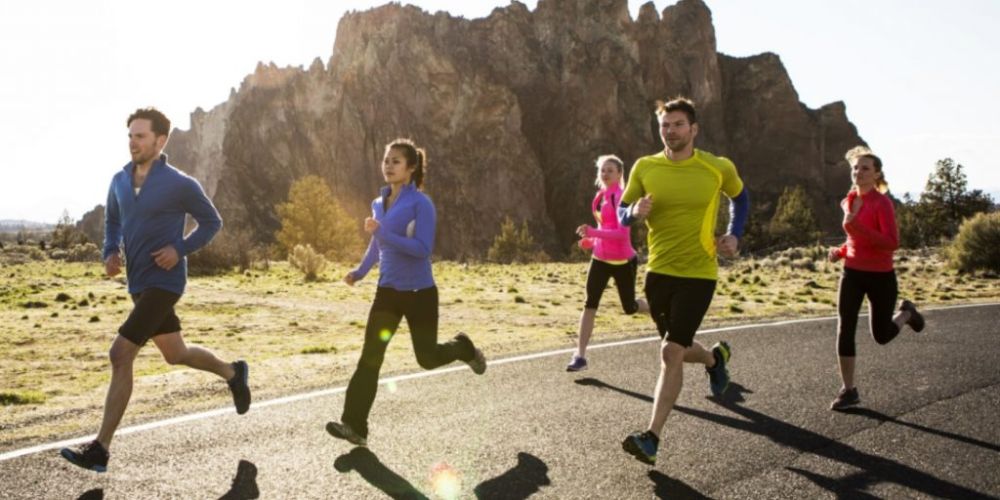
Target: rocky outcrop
x=513, y=109
x=92, y=225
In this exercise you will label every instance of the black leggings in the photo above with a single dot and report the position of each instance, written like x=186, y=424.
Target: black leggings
x=420, y=308
x=881, y=289
x=597, y=280
x=678, y=305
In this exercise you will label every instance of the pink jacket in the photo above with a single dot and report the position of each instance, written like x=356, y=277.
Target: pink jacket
x=872, y=236
x=612, y=241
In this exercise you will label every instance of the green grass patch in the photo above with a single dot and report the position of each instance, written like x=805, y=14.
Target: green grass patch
x=11, y=398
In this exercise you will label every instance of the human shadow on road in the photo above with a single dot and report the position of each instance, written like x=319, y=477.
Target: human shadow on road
x=846, y=488
x=593, y=382
x=668, y=487
x=733, y=395
x=244, y=483
x=372, y=469
x=875, y=415
x=94, y=494
x=521, y=481
x=874, y=469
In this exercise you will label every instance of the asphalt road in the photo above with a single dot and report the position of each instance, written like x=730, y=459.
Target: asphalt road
x=928, y=427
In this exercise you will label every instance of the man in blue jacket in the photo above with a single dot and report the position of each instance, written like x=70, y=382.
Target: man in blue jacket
x=147, y=205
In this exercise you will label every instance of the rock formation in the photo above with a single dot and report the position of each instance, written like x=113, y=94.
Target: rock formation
x=513, y=109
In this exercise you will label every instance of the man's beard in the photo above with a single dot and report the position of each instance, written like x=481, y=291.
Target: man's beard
x=142, y=157
x=677, y=144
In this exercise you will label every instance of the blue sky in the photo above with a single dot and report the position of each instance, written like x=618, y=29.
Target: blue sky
x=921, y=80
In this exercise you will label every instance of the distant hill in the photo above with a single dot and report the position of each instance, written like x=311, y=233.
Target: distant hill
x=13, y=226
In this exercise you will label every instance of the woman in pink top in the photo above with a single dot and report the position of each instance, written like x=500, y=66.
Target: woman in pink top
x=613, y=256
x=872, y=237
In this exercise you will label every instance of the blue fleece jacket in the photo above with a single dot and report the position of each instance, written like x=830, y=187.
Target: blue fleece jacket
x=154, y=219
x=403, y=242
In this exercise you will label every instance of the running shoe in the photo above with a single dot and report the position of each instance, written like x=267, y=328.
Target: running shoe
x=345, y=432
x=577, y=364
x=718, y=375
x=91, y=456
x=478, y=361
x=642, y=445
x=239, y=386
x=916, y=320
x=846, y=398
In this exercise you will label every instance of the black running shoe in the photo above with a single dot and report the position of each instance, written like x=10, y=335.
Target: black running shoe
x=846, y=399
x=91, y=456
x=916, y=320
x=478, y=361
x=642, y=445
x=345, y=432
x=718, y=375
x=240, y=387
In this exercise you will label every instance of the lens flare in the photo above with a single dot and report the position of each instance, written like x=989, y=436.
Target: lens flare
x=391, y=386
x=385, y=335
x=445, y=481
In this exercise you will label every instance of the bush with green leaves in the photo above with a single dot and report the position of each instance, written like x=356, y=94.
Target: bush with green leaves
x=515, y=245
x=793, y=222
x=977, y=245
x=307, y=260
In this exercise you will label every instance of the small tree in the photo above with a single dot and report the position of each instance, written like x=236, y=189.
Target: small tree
x=947, y=202
x=977, y=244
x=793, y=222
x=313, y=217
x=513, y=245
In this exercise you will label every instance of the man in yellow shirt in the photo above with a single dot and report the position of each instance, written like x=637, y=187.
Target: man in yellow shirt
x=677, y=192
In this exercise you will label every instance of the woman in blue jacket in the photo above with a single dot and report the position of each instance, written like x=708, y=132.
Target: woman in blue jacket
x=402, y=226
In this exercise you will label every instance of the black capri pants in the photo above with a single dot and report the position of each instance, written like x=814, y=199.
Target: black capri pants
x=624, y=274
x=881, y=289
x=420, y=308
x=678, y=305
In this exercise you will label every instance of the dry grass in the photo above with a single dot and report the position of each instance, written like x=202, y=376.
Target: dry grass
x=301, y=335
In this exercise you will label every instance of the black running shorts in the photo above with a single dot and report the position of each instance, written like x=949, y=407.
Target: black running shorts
x=152, y=315
x=678, y=305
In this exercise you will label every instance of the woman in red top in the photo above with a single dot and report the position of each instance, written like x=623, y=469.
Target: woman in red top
x=872, y=237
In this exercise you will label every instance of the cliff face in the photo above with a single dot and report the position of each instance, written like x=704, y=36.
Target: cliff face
x=513, y=109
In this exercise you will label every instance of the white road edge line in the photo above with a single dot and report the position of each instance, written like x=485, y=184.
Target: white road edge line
x=399, y=378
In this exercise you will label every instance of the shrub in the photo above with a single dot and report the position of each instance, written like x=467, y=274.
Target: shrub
x=514, y=245
x=307, y=260
x=977, y=244
x=230, y=248
x=21, y=254
x=66, y=235
x=87, y=252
